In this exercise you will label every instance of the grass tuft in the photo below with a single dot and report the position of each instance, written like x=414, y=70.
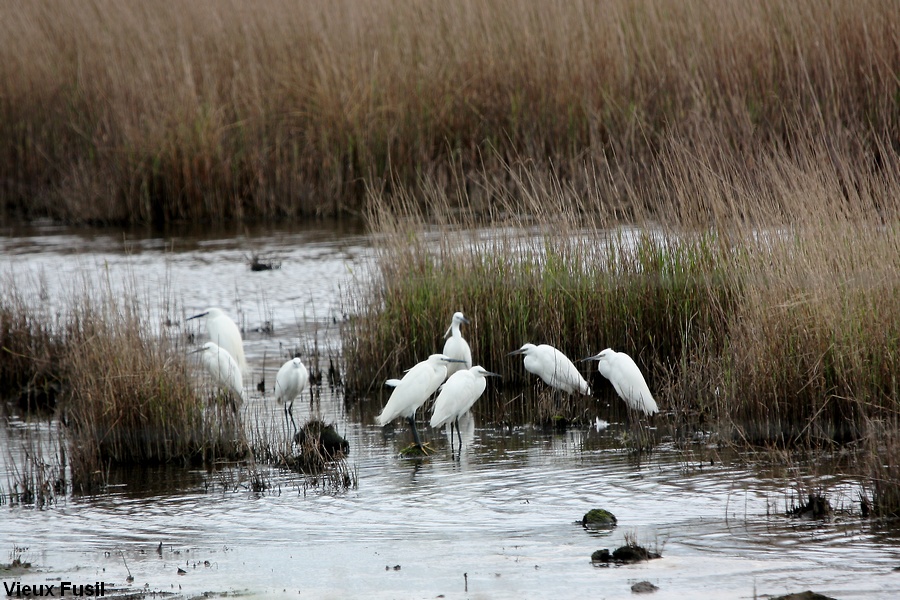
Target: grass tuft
x=127, y=395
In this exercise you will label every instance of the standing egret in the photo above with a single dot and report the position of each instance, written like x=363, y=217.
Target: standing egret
x=414, y=389
x=457, y=396
x=554, y=368
x=223, y=331
x=290, y=382
x=626, y=377
x=456, y=346
x=222, y=367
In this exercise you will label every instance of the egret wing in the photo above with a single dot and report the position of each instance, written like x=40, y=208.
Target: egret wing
x=408, y=394
x=631, y=385
x=459, y=391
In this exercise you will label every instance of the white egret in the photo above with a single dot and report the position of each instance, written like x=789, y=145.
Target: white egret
x=457, y=396
x=456, y=346
x=414, y=389
x=225, y=333
x=626, y=377
x=222, y=367
x=553, y=367
x=291, y=380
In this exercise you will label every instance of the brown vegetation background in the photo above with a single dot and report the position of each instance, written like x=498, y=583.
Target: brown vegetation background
x=223, y=110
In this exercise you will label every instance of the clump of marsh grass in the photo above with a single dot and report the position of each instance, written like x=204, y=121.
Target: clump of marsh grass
x=126, y=392
x=763, y=302
x=315, y=451
x=131, y=394
x=321, y=456
x=580, y=291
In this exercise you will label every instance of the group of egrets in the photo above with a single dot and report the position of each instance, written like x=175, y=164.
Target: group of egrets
x=465, y=384
x=223, y=357
x=559, y=372
x=450, y=373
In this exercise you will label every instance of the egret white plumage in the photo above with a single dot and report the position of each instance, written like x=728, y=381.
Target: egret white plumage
x=553, y=367
x=411, y=392
x=222, y=367
x=225, y=333
x=627, y=378
x=291, y=380
x=456, y=346
x=457, y=396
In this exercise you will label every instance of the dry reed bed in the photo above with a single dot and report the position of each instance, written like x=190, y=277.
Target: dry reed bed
x=125, y=394
x=229, y=110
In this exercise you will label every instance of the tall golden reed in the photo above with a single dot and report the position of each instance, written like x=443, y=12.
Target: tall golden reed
x=221, y=110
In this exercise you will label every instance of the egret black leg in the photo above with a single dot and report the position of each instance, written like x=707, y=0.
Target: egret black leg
x=458, y=434
x=412, y=423
x=289, y=412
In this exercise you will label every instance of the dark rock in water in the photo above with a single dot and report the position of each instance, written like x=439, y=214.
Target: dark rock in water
x=624, y=555
x=643, y=587
x=817, y=507
x=807, y=595
x=601, y=556
x=598, y=518
x=630, y=554
x=318, y=437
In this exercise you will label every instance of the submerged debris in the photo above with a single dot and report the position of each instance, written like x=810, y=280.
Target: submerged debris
x=259, y=263
x=600, y=556
x=598, y=518
x=16, y=567
x=817, y=507
x=643, y=587
x=631, y=553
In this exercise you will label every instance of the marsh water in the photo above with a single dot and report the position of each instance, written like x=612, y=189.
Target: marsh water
x=497, y=520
